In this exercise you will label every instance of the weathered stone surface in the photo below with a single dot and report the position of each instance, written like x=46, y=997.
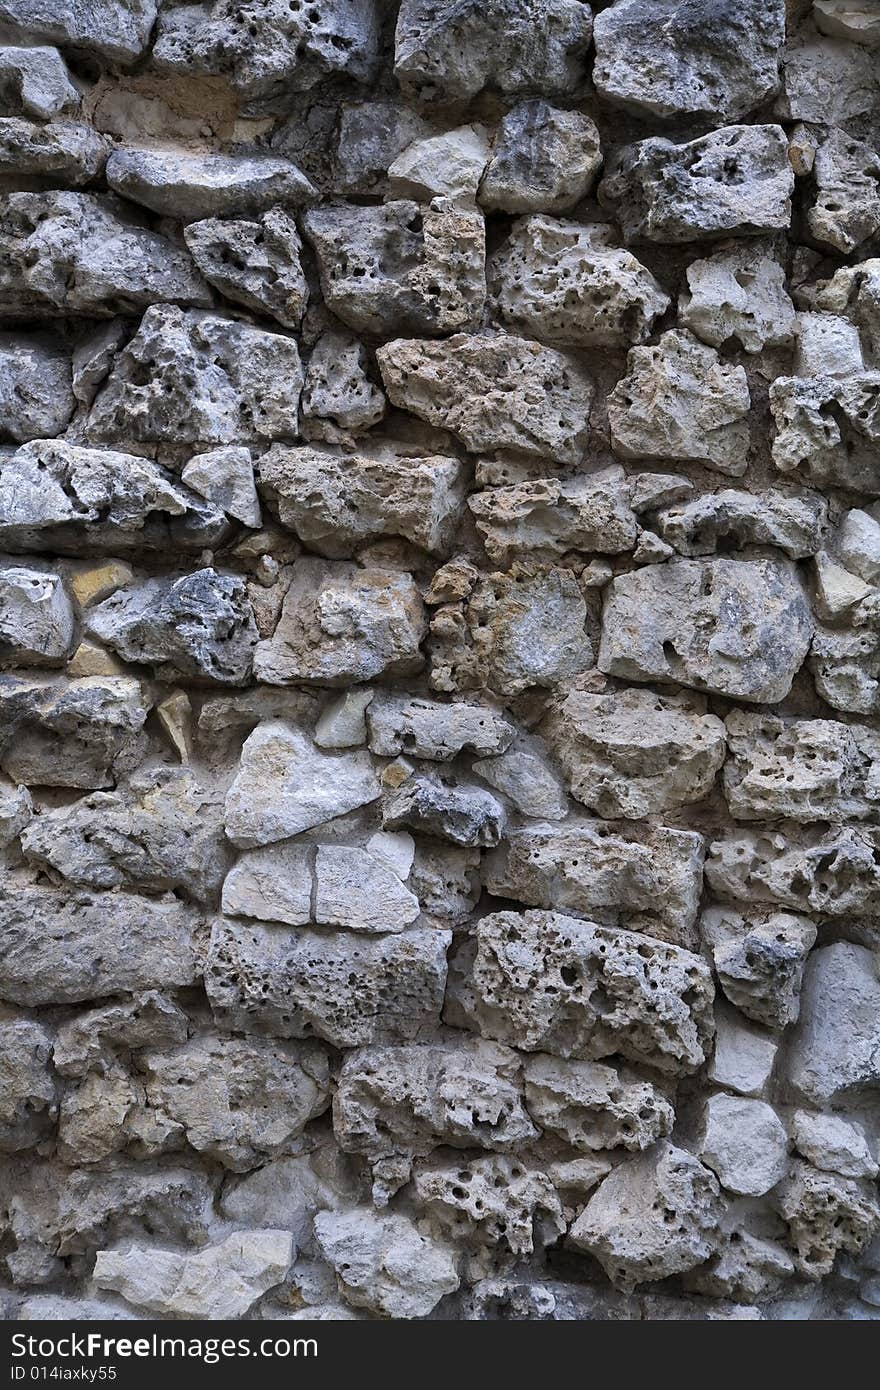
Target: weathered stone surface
x=544, y=160
x=493, y=1201
x=253, y=263
x=193, y=377
x=89, y=1041
x=826, y=1214
x=272, y=884
x=225, y=477
x=854, y=291
x=399, y=268
x=443, y=53
x=200, y=626
x=196, y=186
x=739, y=292
x=565, y=283
x=272, y=51
x=847, y=207
x=759, y=960
x=64, y=152
x=221, y=1281
x=646, y=880
x=494, y=392
x=591, y=1106
x=16, y=810
x=634, y=753
x=285, y=784
x=802, y=770
x=370, y=135
x=828, y=871
x=679, y=403
x=744, y=1055
x=835, y=1051
x=736, y=181
x=35, y=82
x=61, y=947
x=518, y=628
x=354, y=888
x=36, y=618
x=548, y=517
x=832, y=1144
x=410, y=1099
x=36, y=399
x=464, y=814
x=827, y=430
x=349, y=990
x=427, y=729
x=846, y=667
x=82, y=733
x=338, y=395
x=441, y=166
x=164, y=834
x=119, y=31
x=526, y=776
x=383, y=1263
x=744, y=1143
x=625, y=1224
x=736, y=627
x=237, y=1100
x=857, y=542
x=28, y=1100
x=795, y=524
x=549, y=983
x=335, y=501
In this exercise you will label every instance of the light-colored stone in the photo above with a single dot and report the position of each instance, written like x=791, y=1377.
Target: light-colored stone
x=826, y=1214
x=759, y=960
x=226, y=478
x=548, y=517
x=827, y=430
x=739, y=292
x=835, y=1051
x=176, y=183
x=35, y=82
x=832, y=1144
x=744, y=1143
x=494, y=1202
x=106, y=715
x=795, y=524
x=384, y=1264
x=525, y=774
x=222, y=1281
x=36, y=618
x=591, y=1106
x=428, y=729
x=338, y=395
x=441, y=166
x=544, y=159
x=354, y=888
x=744, y=1055
x=342, y=723
x=16, y=810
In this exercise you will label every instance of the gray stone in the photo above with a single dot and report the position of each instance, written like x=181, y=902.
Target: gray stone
x=826, y=1214
x=199, y=626
x=192, y=187
x=832, y=1144
x=846, y=669
x=356, y=889
x=854, y=291
x=736, y=181
x=736, y=627
x=342, y=723
x=835, y=1051
x=848, y=19
x=116, y=29
x=655, y=1215
x=193, y=377
x=399, y=268
x=335, y=501
x=340, y=624
x=847, y=207
x=466, y=815
x=77, y=253
x=704, y=61
x=35, y=82
x=36, y=618
x=338, y=395
x=253, y=263
x=285, y=785
x=645, y=878
x=679, y=403
x=84, y=733
x=857, y=543
x=795, y=524
x=16, y=810
x=544, y=982
x=272, y=884
x=744, y=1143
x=635, y=753
x=759, y=960
x=62, y=947
x=744, y=1055
x=36, y=399
x=739, y=292
x=801, y=770
x=350, y=989
x=593, y=1107
x=493, y=1202
x=449, y=165
x=220, y=1281
x=427, y=729
x=827, y=82
x=28, y=1104
x=370, y=135
x=64, y=152
x=494, y=392
x=443, y=53
x=89, y=1040
x=830, y=871
x=384, y=1264
x=526, y=776
x=544, y=160
x=827, y=430
x=225, y=477
x=561, y=282
x=547, y=517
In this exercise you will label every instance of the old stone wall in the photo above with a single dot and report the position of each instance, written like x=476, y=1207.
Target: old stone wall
x=440, y=659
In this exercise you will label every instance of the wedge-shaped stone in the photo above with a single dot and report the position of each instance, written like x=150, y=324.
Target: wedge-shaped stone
x=518, y=628
x=730, y=519
x=341, y=624
x=63, y=498
x=591, y=1106
x=408, y=1100
x=225, y=477
x=526, y=775
x=63, y=152
x=199, y=626
x=62, y=947
x=634, y=753
x=77, y=253
x=399, y=268
x=679, y=403
x=238, y=1101
x=191, y=187
x=562, y=282
x=653, y=1216
x=494, y=392
x=221, y=1281
x=702, y=62
x=759, y=959
x=83, y=733
x=549, y=516
x=116, y=29
x=427, y=729
x=828, y=430
x=835, y=1050
x=544, y=159
x=349, y=989
x=829, y=872
x=449, y=165
x=739, y=292
x=253, y=263
x=847, y=207
x=336, y=501
x=383, y=1263
x=190, y=377
x=162, y=833
x=801, y=769
x=544, y=982
x=36, y=392
x=443, y=53
x=647, y=879
x=737, y=181
x=736, y=627
x=285, y=784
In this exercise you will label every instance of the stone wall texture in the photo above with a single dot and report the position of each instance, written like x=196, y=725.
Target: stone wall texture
x=440, y=659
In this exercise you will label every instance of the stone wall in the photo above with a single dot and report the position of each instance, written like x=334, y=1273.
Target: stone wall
x=440, y=647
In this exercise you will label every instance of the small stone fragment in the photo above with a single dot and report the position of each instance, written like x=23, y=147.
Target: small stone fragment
x=492, y=1201
x=16, y=810
x=63, y=152
x=35, y=82
x=525, y=774
x=847, y=207
x=744, y=1143
x=226, y=478
x=272, y=884
x=832, y=1144
x=827, y=430
x=544, y=160
x=441, y=166
x=744, y=1055
x=28, y=1102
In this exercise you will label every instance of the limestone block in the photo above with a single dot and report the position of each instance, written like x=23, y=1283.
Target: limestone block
x=795, y=524
x=830, y=871
x=383, y=1263
x=86, y=732
x=739, y=292
x=826, y=1214
x=116, y=29
x=428, y=729
x=462, y=813
x=354, y=888
x=591, y=1106
x=744, y=1143
x=833, y=1144
x=16, y=810
x=834, y=1051
x=253, y=263
x=273, y=884
x=36, y=618
x=827, y=430
x=63, y=152
x=744, y=1055
x=441, y=166
x=338, y=395
x=28, y=1104
x=544, y=159
x=225, y=477
x=191, y=187
x=801, y=770
x=494, y=1201
x=548, y=517
x=35, y=82
x=36, y=399
x=847, y=207
x=759, y=960
x=527, y=777
x=221, y=1281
